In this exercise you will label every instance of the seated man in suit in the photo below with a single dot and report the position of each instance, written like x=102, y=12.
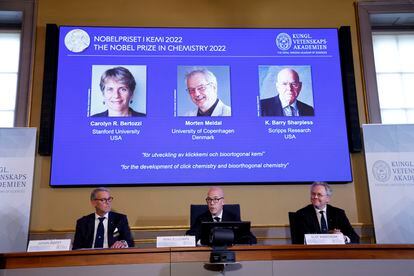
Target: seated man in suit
x=102, y=229
x=215, y=202
x=285, y=103
x=320, y=217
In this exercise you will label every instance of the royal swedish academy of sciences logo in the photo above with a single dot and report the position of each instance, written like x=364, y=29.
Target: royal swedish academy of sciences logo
x=283, y=41
x=381, y=171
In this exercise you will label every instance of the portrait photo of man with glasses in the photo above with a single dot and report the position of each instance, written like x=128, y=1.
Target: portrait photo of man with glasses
x=103, y=228
x=280, y=89
x=205, y=91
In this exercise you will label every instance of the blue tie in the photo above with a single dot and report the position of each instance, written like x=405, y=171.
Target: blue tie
x=292, y=109
x=99, y=239
x=324, y=227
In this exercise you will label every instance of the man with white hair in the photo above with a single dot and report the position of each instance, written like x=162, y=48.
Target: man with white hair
x=202, y=88
x=322, y=218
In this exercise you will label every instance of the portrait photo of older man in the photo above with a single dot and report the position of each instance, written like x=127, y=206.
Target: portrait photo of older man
x=282, y=91
x=203, y=91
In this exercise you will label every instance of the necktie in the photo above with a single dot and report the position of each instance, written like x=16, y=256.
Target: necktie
x=324, y=227
x=217, y=219
x=99, y=239
x=292, y=109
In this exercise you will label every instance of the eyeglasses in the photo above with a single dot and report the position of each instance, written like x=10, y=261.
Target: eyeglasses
x=291, y=84
x=317, y=195
x=105, y=200
x=201, y=88
x=214, y=200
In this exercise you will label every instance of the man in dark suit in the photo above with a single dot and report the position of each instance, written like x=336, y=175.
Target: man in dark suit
x=285, y=103
x=102, y=229
x=320, y=217
x=215, y=202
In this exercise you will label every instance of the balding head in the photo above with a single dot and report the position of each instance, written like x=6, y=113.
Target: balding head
x=215, y=200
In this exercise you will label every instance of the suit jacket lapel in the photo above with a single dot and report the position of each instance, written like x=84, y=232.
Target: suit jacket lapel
x=315, y=221
x=110, y=229
x=278, y=103
x=225, y=216
x=90, y=228
x=330, y=216
x=207, y=216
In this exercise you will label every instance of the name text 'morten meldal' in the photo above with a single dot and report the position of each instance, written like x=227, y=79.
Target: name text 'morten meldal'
x=204, y=123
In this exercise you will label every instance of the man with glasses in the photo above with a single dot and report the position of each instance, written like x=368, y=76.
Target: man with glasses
x=288, y=86
x=215, y=212
x=202, y=88
x=320, y=217
x=104, y=228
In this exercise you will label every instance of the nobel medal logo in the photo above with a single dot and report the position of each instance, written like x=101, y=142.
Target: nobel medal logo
x=381, y=171
x=283, y=41
x=77, y=40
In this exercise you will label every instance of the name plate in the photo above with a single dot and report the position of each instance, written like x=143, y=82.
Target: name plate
x=324, y=239
x=49, y=245
x=176, y=241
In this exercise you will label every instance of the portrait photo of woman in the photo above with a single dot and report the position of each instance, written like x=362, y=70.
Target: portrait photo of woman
x=118, y=88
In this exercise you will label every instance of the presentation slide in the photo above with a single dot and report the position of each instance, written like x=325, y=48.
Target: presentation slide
x=192, y=106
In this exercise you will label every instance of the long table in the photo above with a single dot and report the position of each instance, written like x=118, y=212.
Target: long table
x=256, y=260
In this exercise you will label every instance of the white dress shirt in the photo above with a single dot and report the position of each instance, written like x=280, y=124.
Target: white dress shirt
x=220, y=215
x=318, y=215
x=287, y=110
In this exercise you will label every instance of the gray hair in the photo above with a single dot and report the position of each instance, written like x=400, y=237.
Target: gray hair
x=210, y=77
x=97, y=190
x=328, y=188
x=120, y=74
